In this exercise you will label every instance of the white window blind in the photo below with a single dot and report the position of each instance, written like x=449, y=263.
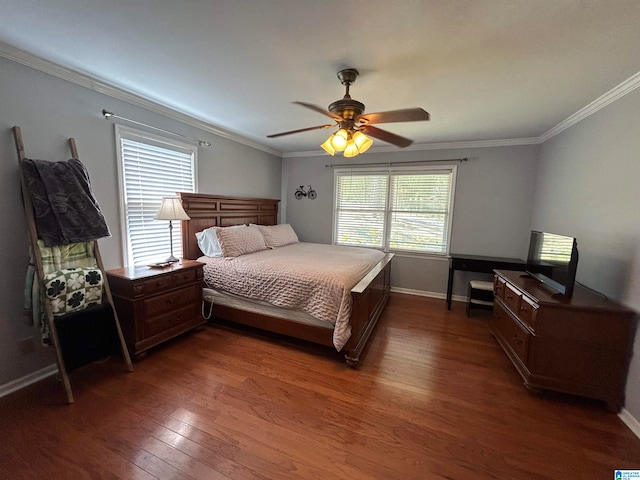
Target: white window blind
x=395, y=210
x=151, y=168
x=360, y=209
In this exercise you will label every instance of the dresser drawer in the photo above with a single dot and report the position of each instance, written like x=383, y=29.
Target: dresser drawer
x=498, y=287
x=512, y=332
x=162, y=323
x=528, y=311
x=170, y=301
x=512, y=299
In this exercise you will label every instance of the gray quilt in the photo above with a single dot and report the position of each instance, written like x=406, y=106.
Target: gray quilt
x=65, y=208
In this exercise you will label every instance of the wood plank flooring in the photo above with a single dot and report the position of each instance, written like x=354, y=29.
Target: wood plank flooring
x=434, y=398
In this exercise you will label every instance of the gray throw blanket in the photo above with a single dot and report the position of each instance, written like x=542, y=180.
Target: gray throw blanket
x=64, y=207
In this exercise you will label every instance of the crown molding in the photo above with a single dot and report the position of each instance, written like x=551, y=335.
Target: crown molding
x=434, y=146
x=88, y=81
x=598, y=104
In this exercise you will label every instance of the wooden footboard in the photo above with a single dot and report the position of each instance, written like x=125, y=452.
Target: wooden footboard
x=369, y=299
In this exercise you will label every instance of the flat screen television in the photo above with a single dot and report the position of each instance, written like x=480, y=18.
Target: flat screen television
x=553, y=260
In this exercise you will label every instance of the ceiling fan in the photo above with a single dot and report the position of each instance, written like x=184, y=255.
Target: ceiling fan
x=353, y=123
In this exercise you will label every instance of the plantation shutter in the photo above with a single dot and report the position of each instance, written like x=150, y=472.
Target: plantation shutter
x=152, y=170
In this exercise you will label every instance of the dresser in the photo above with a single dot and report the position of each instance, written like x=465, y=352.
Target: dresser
x=579, y=345
x=155, y=305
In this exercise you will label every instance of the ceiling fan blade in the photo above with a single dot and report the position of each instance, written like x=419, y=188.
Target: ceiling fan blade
x=405, y=115
x=385, y=136
x=300, y=130
x=321, y=110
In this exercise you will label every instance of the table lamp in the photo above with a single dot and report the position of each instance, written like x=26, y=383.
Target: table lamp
x=171, y=209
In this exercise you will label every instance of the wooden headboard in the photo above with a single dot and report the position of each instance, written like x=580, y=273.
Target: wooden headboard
x=208, y=210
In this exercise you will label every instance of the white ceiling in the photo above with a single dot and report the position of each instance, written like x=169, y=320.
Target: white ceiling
x=484, y=69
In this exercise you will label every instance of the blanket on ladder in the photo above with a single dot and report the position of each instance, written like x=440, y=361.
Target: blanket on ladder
x=64, y=206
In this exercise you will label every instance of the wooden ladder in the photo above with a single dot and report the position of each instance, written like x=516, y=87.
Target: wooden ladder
x=33, y=237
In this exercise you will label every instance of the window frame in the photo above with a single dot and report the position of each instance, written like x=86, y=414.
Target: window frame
x=123, y=132
x=389, y=172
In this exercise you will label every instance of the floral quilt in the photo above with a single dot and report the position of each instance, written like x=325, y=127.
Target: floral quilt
x=73, y=289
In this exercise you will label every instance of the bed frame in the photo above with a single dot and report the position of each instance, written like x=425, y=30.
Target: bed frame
x=369, y=296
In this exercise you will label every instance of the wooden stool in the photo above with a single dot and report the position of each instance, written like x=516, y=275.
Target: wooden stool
x=480, y=295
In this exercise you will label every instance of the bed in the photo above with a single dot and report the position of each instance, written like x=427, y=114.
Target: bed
x=368, y=297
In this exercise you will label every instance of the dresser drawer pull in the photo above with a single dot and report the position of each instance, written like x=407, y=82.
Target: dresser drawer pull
x=516, y=339
x=174, y=320
x=508, y=297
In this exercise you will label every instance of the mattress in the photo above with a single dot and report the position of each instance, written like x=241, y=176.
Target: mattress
x=312, y=278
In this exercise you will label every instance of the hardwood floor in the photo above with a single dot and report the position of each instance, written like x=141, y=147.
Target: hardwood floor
x=433, y=398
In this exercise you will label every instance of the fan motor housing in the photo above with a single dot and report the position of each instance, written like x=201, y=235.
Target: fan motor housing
x=347, y=108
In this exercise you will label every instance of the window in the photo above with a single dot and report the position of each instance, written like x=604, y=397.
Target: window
x=149, y=168
x=395, y=209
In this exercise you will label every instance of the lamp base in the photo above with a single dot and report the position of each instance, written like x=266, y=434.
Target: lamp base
x=172, y=259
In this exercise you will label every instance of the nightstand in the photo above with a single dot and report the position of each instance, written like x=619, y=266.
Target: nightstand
x=155, y=305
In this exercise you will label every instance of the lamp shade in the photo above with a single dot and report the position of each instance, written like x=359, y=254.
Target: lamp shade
x=362, y=141
x=327, y=147
x=339, y=140
x=351, y=150
x=171, y=209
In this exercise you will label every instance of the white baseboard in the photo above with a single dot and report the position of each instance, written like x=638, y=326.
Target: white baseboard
x=424, y=293
x=27, y=380
x=630, y=421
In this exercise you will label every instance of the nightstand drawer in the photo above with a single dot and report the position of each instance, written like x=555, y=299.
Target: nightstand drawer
x=162, y=323
x=170, y=301
x=158, y=284
x=185, y=276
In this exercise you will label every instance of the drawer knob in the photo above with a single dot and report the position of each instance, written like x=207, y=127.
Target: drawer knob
x=516, y=339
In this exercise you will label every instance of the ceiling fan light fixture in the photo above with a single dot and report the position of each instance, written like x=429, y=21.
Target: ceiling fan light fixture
x=339, y=140
x=362, y=141
x=351, y=150
x=327, y=147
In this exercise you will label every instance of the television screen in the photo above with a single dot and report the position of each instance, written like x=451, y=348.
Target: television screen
x=553, y=260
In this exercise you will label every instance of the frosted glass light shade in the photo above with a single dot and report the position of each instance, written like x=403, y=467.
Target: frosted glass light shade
x=351, y=150
x=171, y=209
x=327, y=147
x=339, y=140
x=362, y=141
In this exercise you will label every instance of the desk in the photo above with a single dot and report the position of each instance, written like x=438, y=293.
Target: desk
x=480, y=264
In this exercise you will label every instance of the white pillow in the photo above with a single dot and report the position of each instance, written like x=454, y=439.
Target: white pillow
x=208, y=242
x=240, y=241
x=278, y=235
